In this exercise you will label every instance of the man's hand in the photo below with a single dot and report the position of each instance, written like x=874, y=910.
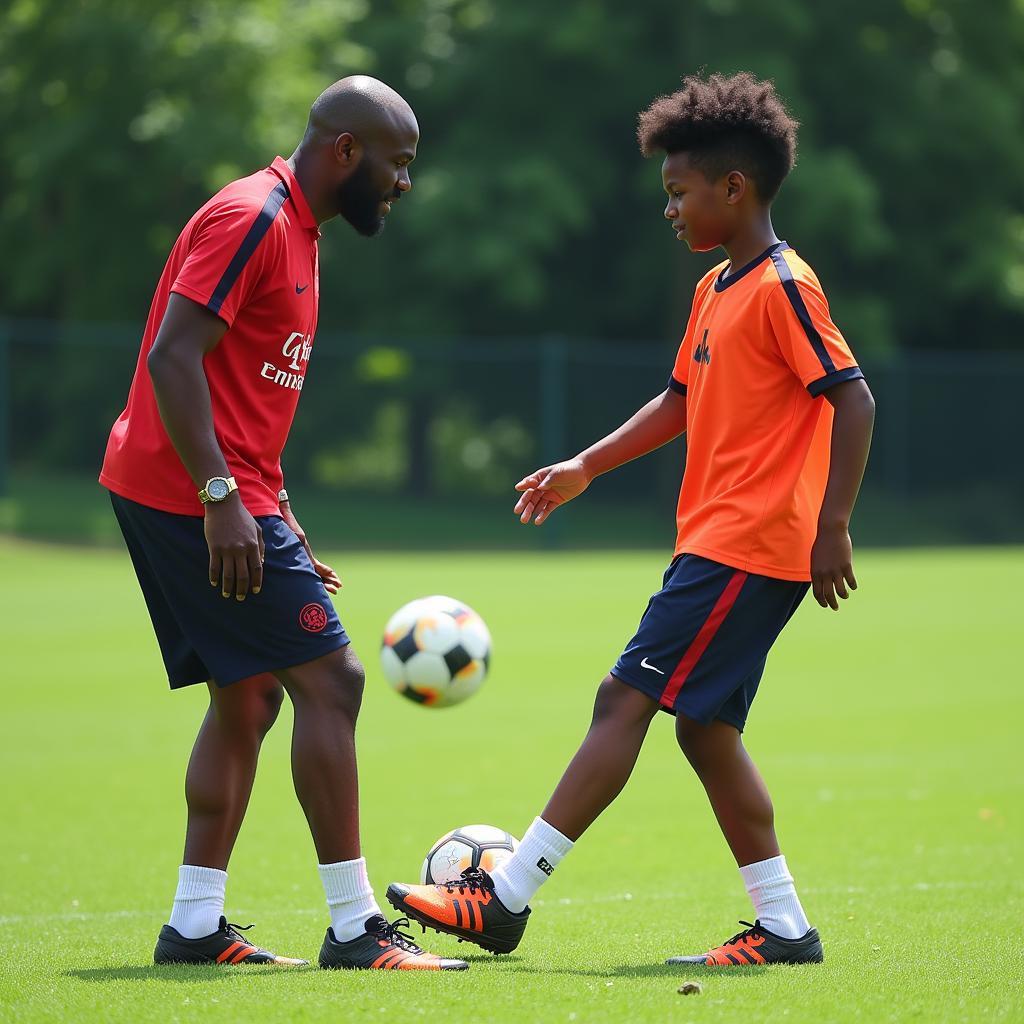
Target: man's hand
x=235, y=541
x=545, y=489
x=331, y=581
x=832, y=566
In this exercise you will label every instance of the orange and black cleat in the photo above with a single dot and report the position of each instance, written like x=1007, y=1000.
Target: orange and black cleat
x=384, y=947
x=757, y=945
x=224, y=946
x=466, y=907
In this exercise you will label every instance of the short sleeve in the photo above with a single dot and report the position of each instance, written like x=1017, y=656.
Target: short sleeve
x=810, y=342
x=225, y=259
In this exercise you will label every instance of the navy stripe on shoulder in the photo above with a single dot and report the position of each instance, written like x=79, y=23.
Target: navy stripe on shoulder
x=677, y=386
x=796, y=300
x=822, y=384
x=260, y=226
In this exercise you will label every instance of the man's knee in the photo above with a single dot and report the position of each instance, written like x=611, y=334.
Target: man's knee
x=271, y=700
x=249, y=707
x=347, y=685
x=333, y=683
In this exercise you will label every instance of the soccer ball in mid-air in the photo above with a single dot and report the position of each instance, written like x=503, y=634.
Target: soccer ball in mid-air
x=436, y=651
x=472, y=846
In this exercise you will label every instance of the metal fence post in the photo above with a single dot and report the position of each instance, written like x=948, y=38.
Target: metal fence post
x=554, y=397
x=5, y=408
x=897, y=432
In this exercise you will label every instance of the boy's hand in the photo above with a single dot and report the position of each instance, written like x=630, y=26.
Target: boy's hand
x=545, y=489
x=832, y=566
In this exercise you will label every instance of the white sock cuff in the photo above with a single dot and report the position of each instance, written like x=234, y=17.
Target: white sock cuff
x=765, y=872
x=345, y=881
x=199, y=883
x=541, y=831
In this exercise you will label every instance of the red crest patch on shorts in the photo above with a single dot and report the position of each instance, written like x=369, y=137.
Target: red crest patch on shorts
x=313, y=618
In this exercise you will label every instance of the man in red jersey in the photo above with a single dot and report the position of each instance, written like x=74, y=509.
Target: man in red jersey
x=237, y=599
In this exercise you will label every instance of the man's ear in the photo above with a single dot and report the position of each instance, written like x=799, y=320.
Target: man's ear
x=347, y=149
x=735, y=187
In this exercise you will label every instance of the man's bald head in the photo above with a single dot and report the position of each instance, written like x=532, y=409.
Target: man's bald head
x=359, y=142
x=364, y=107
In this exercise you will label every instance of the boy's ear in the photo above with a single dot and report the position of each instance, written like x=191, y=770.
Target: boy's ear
x=735, y=186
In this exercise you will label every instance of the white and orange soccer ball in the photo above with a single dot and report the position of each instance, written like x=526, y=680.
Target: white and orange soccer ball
x=436, y=651
x=471, y=846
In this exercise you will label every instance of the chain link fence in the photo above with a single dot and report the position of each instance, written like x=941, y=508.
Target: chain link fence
x=414, y=442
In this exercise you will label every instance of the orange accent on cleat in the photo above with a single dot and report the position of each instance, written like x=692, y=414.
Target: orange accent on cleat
x=744, y=950
x=435, y=902
x=465, y=907
x=383, y=947
x=227, y=952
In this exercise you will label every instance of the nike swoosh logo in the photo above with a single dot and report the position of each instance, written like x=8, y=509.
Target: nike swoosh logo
x=299, y=291
x=646, y=664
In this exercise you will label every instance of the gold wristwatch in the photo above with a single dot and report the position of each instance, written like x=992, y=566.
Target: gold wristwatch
x=217, y=489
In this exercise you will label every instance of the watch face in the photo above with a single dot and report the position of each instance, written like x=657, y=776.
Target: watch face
x=218, y=489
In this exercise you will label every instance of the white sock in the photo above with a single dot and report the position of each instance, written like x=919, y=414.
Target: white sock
x=518, y=877
x=349, y=897
x=776, y=904
x=199, y=901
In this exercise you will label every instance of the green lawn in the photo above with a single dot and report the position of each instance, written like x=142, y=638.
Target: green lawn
x=889, y=735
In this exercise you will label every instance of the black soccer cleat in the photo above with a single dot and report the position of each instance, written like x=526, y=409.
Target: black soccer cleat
x=466, y=907
x=383, y=947
x=757, y=945
x=224, y=946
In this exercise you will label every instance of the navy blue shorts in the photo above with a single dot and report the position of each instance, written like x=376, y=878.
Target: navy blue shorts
x=701, y=645
x=204, y=636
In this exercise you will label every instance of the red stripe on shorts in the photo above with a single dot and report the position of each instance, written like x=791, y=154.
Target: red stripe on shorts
x=703, y=638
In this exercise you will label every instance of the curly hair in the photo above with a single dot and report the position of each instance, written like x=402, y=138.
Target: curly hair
x=725, y=123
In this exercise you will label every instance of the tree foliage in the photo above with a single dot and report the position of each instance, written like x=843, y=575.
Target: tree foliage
x=532, y=212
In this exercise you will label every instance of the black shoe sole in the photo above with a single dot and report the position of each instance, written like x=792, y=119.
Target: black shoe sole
x=813, y=956
x=462, y=966
x=490, y=944
x=171, y=957
x=739, y=967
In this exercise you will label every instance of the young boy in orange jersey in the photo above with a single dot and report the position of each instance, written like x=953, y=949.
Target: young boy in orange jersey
x=778, y=421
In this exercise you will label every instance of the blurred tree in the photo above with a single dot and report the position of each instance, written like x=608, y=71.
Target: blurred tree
x=533, y=212
x=120, y=118
x=536, y=214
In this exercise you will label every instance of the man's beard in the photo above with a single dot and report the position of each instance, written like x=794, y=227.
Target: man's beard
x=359, y=203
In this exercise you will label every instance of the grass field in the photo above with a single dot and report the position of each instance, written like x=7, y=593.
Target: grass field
x=889, y=735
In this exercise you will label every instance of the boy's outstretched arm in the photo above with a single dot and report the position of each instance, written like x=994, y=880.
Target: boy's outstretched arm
x=832, y=554
x=658, y=422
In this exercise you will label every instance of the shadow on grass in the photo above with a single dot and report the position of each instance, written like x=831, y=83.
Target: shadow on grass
x=182, y=973
x=680, y=972
x=684, y=972
x=195, y=975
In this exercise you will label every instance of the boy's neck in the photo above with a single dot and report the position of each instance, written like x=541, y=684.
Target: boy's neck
x=750, y=240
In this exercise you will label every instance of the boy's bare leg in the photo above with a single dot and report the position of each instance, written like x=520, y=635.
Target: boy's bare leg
x=734, y=786
x=605, y=760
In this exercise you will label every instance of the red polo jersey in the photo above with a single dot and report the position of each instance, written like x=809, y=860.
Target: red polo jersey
x=250, y=256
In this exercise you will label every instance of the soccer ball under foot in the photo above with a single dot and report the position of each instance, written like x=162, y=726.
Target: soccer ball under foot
x=471, y=846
